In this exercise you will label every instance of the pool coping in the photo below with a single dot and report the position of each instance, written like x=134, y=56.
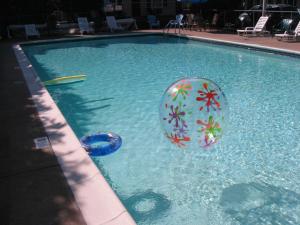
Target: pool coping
x=98, y=203
x=94, y=197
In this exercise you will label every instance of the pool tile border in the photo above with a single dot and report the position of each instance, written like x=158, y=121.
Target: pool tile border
x=94, y=197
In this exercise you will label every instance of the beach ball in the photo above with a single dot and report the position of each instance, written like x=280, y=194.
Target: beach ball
x=193, y=113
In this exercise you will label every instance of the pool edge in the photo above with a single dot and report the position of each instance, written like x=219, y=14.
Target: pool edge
x=90, y=37
x=254, y=47
x=94, y=197
x=268, y=49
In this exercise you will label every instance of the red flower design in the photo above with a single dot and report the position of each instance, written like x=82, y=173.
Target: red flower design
x=209, y=97
x=178, y=141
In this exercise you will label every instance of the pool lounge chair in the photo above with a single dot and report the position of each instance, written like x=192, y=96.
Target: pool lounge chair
x=30, y=30
x=112, y=24
x=84, y=26
x=257, y=30
x=175, y=23
x=153, y=21
x=289, y=36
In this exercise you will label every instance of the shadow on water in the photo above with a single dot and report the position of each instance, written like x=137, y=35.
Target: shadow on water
x=147, y=205
x=96, y=108
x=43, y=48
x=97, y=100
x=261, y=204
x=143, y=206
x=77, y=111
x=74, y=107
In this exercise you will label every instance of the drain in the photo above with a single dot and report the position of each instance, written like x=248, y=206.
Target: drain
x=41, y=143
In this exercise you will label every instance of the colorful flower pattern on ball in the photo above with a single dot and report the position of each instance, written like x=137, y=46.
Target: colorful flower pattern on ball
x=181, y=89
x=175, y=115
x=211, y=131
x=193, y=113
x=177, y=140
x=209, y=97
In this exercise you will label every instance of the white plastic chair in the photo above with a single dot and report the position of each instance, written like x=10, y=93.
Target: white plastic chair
x=84, y=25
x=175, y=23
x=257, y=30
x=289, y=36
x=31, y=30
x=112, y=24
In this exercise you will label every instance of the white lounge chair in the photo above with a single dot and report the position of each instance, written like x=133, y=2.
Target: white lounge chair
x=257, y=30
x=30, y=30
x=289, y=36
x=112, y=24
x=84, y=26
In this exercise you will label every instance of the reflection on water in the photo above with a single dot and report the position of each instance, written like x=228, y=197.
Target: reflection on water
x=261, y=204
x=147, y=206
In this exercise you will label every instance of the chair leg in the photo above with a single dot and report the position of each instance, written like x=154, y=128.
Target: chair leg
x=169, y=26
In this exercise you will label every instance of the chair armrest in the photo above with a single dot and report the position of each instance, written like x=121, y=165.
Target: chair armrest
x=249, y=28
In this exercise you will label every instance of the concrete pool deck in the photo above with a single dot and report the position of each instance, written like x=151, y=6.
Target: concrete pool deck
x=33, y=188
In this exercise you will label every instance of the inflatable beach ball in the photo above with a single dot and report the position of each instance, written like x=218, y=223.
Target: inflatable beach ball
x=193, y=113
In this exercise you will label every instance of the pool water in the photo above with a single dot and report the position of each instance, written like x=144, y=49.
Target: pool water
x=251, y=177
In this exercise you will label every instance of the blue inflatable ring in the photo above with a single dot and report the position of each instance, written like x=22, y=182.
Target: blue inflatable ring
x=90, y=143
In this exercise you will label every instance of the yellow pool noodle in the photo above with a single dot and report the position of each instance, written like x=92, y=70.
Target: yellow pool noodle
x=61, y=80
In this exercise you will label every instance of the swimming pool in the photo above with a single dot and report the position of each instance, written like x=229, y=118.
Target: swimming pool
x=252, y=175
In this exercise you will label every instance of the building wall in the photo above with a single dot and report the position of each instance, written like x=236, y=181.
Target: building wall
x=127, y=7
x=169, y=9
x=144, y=10
x=250, y=3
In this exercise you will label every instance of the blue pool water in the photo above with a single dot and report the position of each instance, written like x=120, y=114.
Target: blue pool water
x=252, y=177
